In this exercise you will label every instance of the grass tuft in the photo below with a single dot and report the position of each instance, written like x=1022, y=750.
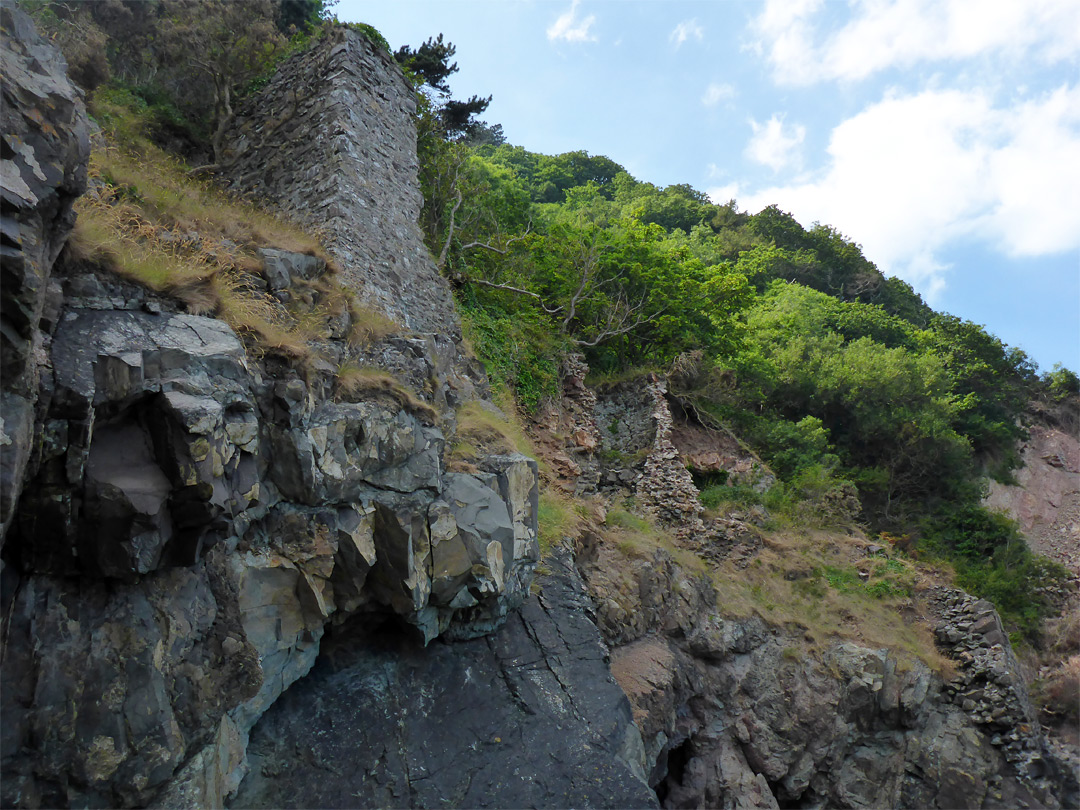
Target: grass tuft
x=482, y=431
x=147, y=220
x=355, y=384
x=557, y=518
x=820, y=582
x=369, y=325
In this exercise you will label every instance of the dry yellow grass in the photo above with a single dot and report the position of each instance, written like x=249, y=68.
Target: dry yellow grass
x=482, y=431
x=355, y=383
x=168, y=196
x=807, y=583
x=146, y=220
x=810, y=582
x=640, y=537
x=368, y=324
x=209, y=276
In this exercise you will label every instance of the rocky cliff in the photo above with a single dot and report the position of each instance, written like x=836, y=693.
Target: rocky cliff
x=226, y=583
x=736, y=712
x=1045, y=500
x=186, y=518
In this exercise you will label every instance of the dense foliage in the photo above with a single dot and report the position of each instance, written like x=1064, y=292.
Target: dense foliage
x=845, y=381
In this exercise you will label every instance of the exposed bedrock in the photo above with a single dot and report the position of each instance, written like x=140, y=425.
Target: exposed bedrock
x=163, y=449
x=210, y=559
x=192, y=518
x=43, y=170
x=735, y=713
x=527, y=717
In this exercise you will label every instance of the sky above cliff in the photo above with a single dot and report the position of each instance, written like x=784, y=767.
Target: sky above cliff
x=941, y=135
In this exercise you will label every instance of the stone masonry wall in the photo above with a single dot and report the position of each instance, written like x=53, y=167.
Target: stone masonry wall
x=331, y=141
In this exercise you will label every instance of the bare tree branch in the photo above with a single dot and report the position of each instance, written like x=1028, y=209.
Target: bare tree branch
x=506, y=246
x=450, y=228
x=588, y=265
x=619, y=320
x=519, y=291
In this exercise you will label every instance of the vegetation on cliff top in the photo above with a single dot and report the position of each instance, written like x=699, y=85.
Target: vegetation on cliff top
x=152, y=219
x=844, y=380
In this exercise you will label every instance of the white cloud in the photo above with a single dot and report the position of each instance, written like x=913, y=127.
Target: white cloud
x=775, y=145
x=717, y=92
x=685, y=30
x=912, y=175
x=722, y=194
x=569, y=28
x=882, y=34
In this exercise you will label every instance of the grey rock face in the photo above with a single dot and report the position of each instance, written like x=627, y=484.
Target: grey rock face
x=991, y=691
x=43, y=170
x=194, y=520
x=528, y=717
x=735, y=714
x=108, y=687
x=344, y=446
x=164, y=448
x=149, y=446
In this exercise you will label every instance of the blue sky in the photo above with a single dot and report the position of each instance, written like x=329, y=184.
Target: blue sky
x=941, y=135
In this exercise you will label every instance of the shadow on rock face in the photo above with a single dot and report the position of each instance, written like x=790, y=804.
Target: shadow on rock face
x=526, y=717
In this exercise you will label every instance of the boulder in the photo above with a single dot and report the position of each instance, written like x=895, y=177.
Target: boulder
x=280, y=267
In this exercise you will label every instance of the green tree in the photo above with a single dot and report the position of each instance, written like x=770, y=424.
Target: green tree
x=223, y=44
x=431, y=62
x=888, y=411
x=991, y=381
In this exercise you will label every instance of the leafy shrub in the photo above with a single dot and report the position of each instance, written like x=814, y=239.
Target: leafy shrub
x=518, y=351
x=717, y=495
x=1061, y=382
x=370, y=33
x=824, y=496
x=1015, y=580
x=993, y=561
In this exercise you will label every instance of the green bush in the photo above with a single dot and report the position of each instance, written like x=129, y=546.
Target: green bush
x=518, y=351
x=715, y=496
x=1014, y=579
x=993, y=561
